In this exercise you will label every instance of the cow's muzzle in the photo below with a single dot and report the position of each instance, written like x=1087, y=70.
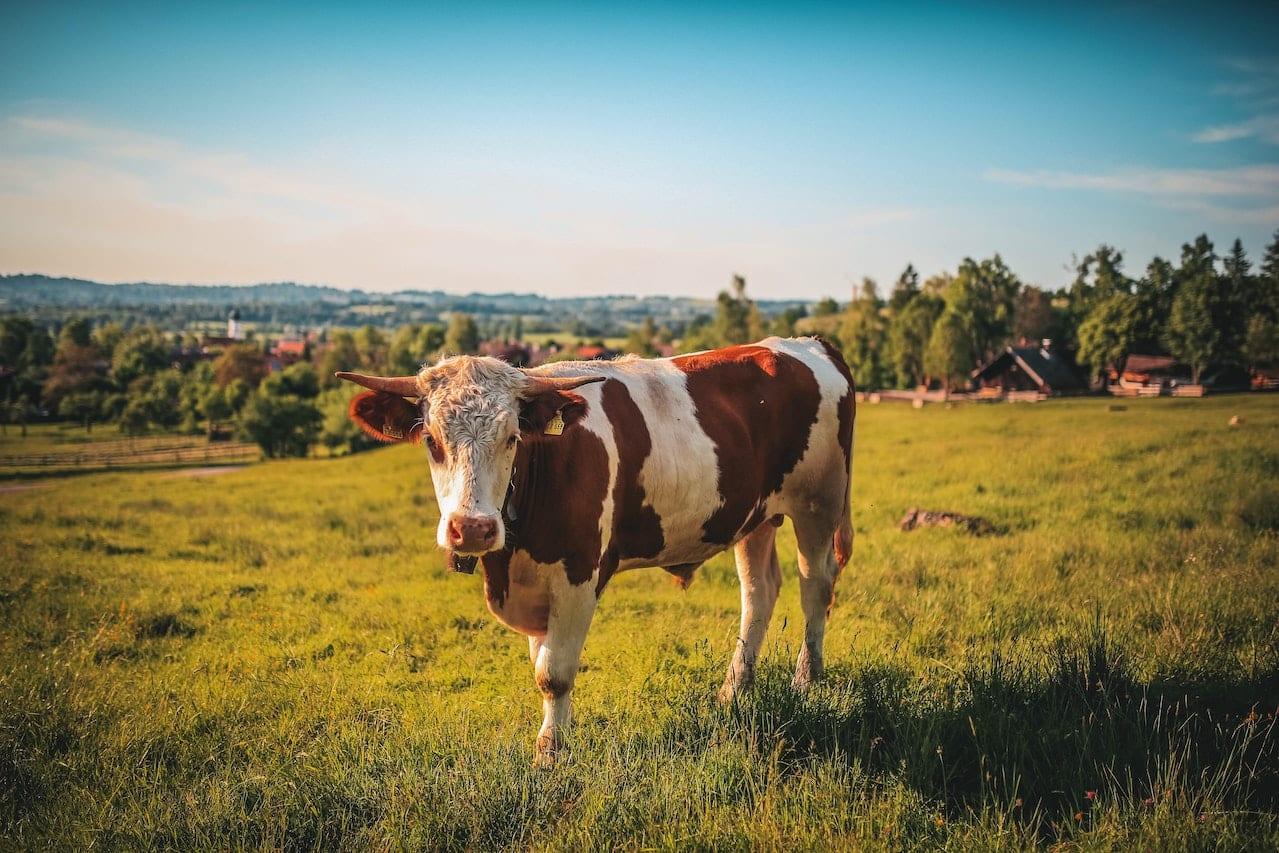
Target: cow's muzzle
x=472, y=535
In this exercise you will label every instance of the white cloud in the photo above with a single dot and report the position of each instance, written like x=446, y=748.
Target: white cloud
x=1254, y=95
x=1262, y=180
x=1255, y=189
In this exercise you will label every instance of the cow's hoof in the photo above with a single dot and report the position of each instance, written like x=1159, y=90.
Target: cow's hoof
x=543, y=760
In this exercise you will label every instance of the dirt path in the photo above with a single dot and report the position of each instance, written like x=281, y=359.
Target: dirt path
x=204, y=472
x=22, y=487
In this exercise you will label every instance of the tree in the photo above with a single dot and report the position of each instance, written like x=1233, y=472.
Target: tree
x=463, y=336
x=370, y=343
x=1233, y=305
x=281, y=416
x=908, y=337
x=1034, y=316
x=862, y=333
x=281, y=426
x=1261, y=341
x=1193, y=332
x=1106, y=334
x=141, y=351
x=296, y=380
x=1154, y=292
x=784, y=323
x=341, y=354
x=75, y=369
x=1265, y=296
x=981, y=297
x=825, y=307
x=905, y=289
x=76, y=332
x=412, y=346
x=737, y=319
x=337, y=431
x=84, y=407
x=240, y=362
x=641, y=338
x=947, y=357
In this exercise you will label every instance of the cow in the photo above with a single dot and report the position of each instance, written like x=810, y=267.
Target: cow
x=556, y=478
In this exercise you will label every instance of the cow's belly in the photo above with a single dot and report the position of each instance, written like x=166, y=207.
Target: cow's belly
x=527, y=604
x=687, y=553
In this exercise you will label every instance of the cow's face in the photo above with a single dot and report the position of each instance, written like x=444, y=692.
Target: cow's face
x=471, y=414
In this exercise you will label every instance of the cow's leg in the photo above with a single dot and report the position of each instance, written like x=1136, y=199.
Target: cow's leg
x=760, y=578
x=818, y=570
x=556, y=658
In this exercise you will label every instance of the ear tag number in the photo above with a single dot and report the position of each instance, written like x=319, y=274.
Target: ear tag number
x=392, y=431
x=555, y=426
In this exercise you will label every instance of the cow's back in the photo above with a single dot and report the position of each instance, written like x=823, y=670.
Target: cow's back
x=708, y=445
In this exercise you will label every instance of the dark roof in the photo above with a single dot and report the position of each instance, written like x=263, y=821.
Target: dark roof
x=1044, y=366
x=1150, y=363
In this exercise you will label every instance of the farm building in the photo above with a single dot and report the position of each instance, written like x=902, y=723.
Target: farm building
x=1027, y=373
x=1148, y=375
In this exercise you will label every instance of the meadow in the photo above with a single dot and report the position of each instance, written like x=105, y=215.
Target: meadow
x=276, y=658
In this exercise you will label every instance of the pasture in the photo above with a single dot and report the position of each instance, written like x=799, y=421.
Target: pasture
x=276, y=658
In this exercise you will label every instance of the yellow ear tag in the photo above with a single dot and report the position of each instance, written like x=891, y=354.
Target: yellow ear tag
x=555, y=426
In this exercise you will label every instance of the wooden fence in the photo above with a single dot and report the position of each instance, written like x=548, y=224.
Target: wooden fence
x=129, y=453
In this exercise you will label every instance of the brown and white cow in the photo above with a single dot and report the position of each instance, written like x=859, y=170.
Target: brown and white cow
x=560, y=476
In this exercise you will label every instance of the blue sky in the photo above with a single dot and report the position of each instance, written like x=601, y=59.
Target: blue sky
x=593, y=149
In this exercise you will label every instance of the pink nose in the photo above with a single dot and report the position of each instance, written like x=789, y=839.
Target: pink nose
x=472, y=535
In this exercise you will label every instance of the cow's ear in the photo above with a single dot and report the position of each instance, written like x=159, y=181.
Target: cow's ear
x=387, y=417
x=537, y=412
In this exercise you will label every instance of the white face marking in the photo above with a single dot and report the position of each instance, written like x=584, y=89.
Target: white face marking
x=472, y=431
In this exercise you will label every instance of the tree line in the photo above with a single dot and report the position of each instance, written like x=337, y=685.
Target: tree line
x=146, y=381
x=1205, y=310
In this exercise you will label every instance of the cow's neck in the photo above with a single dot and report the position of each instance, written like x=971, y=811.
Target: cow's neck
x=530, y=493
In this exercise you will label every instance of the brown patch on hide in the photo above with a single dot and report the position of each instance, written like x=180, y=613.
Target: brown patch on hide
x=560, y=484
x=551, y=687
x=758, y=407
x=638, y=527
x=497, y=577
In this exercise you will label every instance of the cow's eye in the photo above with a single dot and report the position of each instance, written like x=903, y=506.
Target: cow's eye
x=510, y=442
x=437, y=453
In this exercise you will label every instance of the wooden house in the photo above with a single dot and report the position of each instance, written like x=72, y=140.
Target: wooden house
x=1027, y=373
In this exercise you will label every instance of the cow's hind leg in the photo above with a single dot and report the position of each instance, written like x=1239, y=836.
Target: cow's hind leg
x=818, y=570
x=760, y=577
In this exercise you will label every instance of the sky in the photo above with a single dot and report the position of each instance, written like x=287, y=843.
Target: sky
x=641, y=149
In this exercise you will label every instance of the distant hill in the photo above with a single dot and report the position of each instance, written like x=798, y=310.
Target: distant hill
x=176, y=305
x=22, y=290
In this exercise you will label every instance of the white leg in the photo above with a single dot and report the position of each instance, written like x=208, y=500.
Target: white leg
x=556, y=658
x=760, y=578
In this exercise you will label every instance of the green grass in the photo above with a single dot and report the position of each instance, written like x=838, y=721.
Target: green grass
x=276, y=658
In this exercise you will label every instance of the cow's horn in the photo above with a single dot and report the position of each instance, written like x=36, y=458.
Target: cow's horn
x=541, y=384
x=405, y=386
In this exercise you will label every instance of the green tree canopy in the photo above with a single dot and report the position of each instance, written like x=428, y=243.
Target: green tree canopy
x=463, y=336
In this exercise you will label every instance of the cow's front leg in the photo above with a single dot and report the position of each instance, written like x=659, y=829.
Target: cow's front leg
x=555, y=661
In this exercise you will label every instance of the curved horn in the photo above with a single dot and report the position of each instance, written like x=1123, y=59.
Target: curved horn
x=405, y=386
x=541, y=384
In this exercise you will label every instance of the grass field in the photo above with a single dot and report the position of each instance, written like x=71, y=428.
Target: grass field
x=276, y=658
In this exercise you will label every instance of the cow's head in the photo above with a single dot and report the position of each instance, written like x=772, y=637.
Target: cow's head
x=470, y=412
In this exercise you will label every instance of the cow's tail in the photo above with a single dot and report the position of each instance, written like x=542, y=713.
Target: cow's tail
x=843, y=537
